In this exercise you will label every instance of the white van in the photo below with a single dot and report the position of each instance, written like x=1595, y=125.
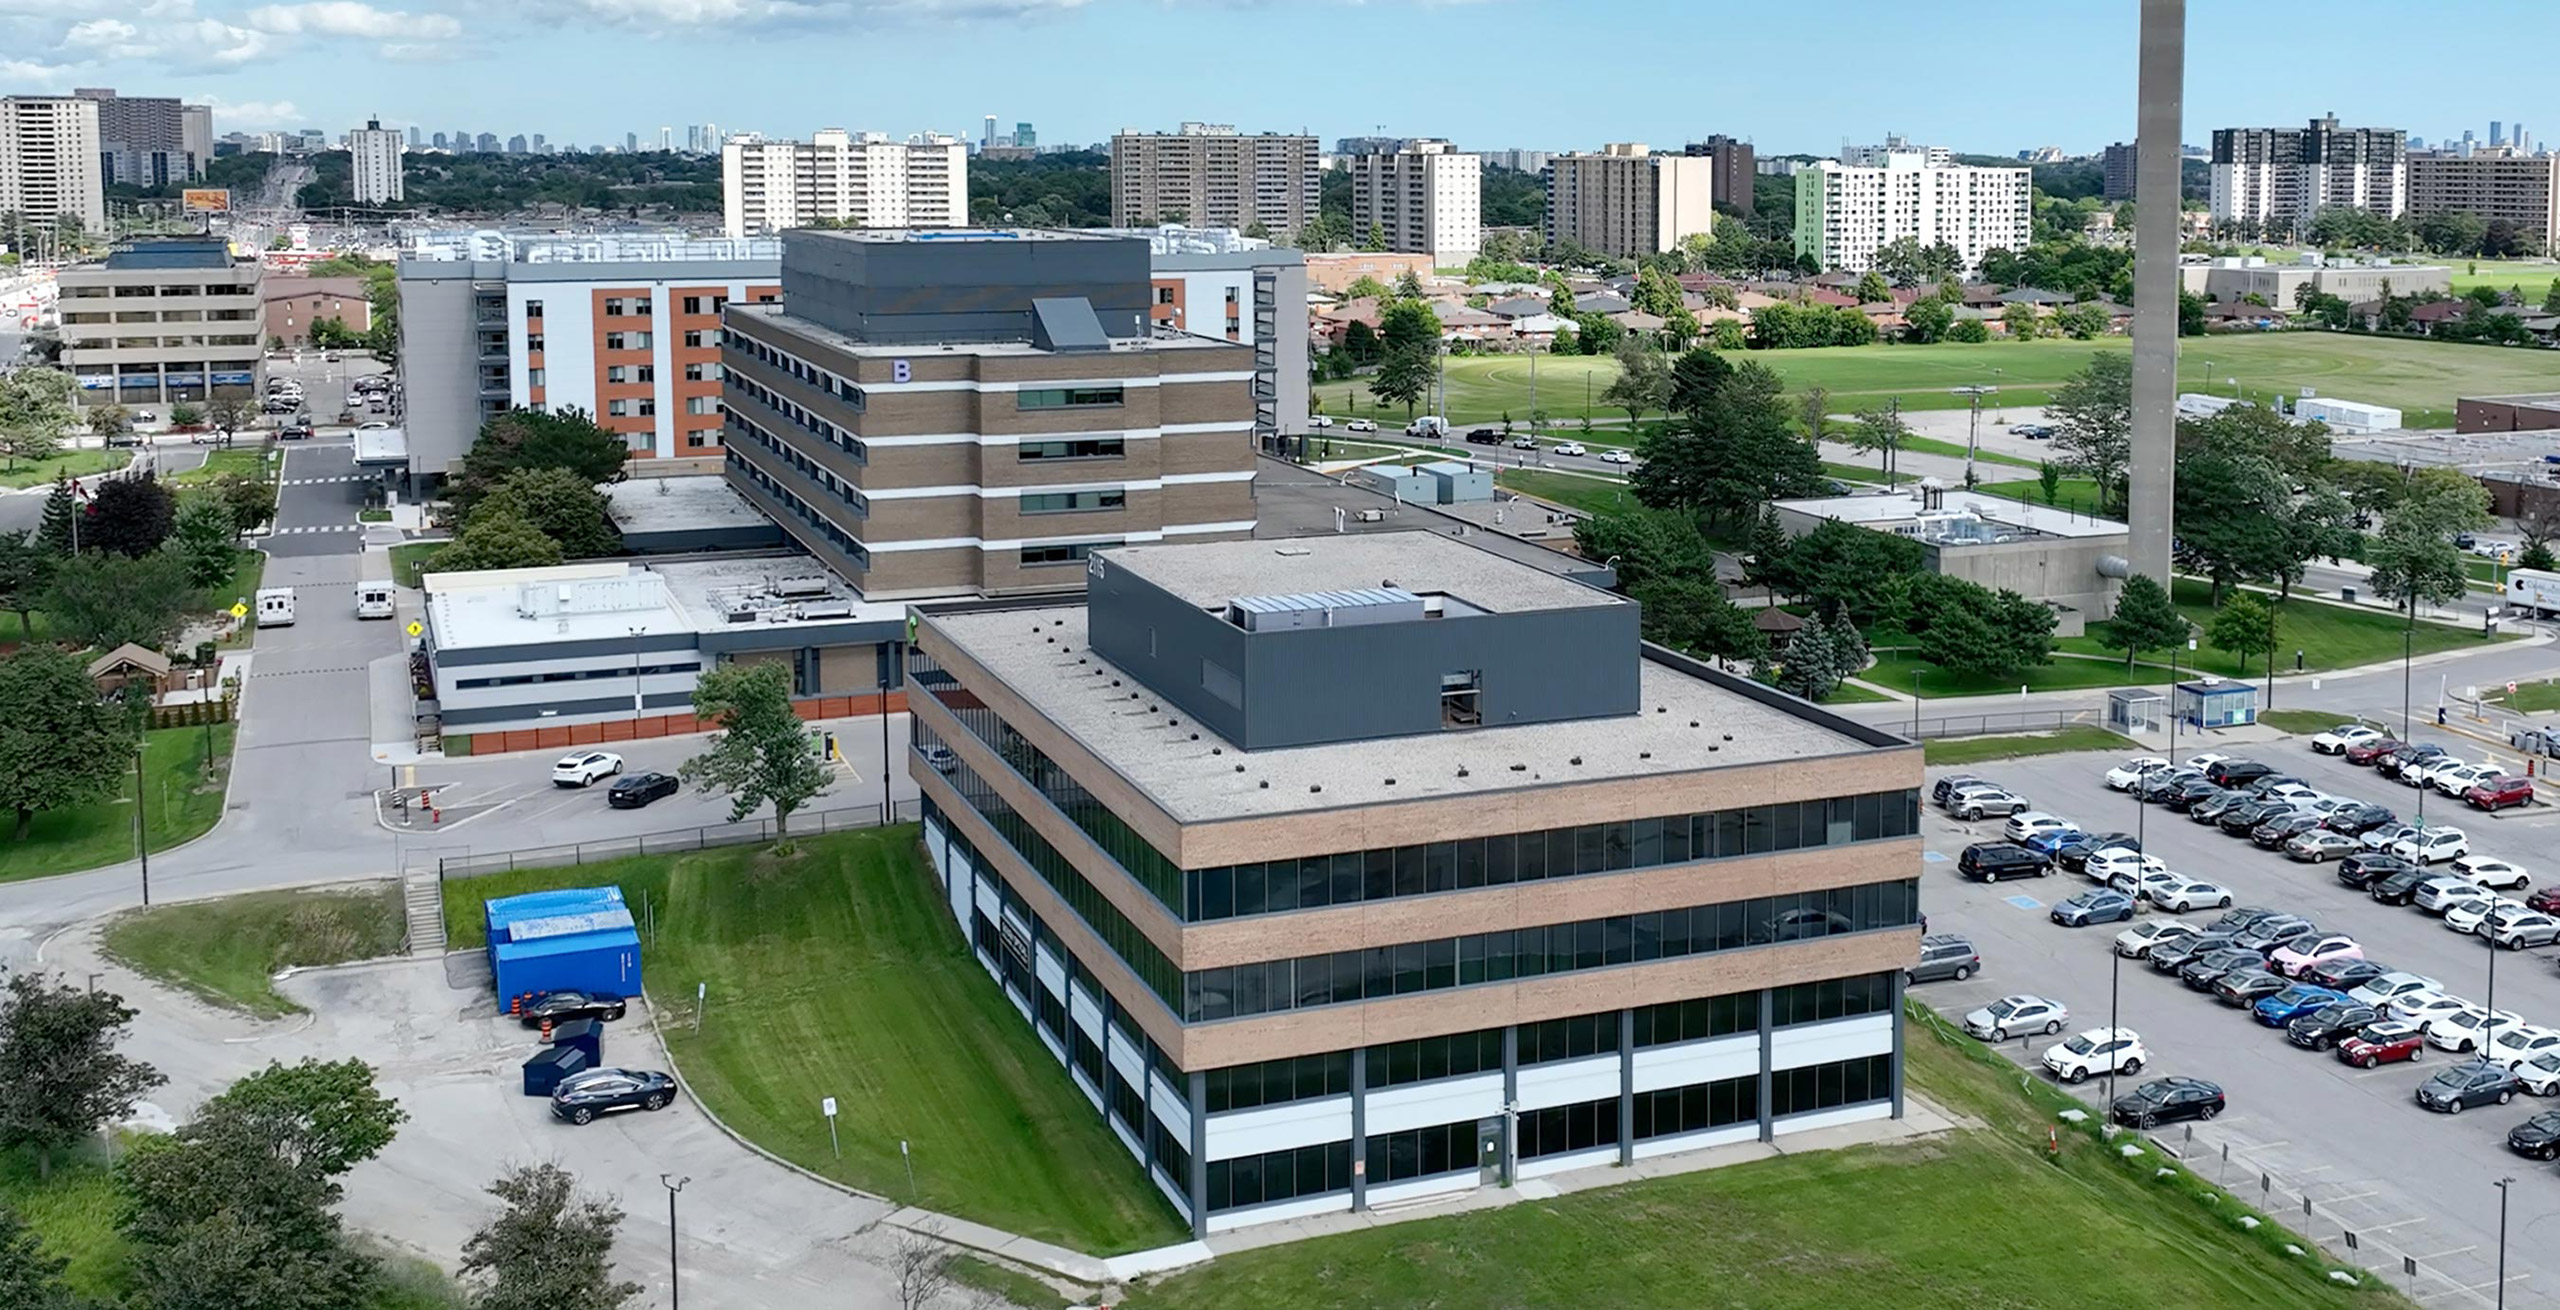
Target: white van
x=1430, y=427
x=373, y=600
x=275, y=607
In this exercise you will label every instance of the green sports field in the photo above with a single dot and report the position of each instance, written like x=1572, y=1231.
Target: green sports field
x=2421, y=378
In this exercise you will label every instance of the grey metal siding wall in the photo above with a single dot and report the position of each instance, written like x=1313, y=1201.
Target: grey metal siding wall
x=1341, y=684
x=958, y=290
x=1164, y=641
x=439, y=377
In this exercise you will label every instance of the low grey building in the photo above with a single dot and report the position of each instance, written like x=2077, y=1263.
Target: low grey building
x=2071, y=561
x=163, y=322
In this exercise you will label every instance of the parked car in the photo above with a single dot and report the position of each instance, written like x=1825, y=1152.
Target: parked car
x=2382, y=839
x=1949, y=785
x=2031, y=431
x=2142, y=938
x=2541, y=1074
x=2157, y=785
x=639, y=789
x=2456, y=780
x=2365, y=868
x=2445, y=892
x=2356, y=818
x=2235, y=772
x=2241, y=820
x=2096, y=1051
x=2034, y=823
x=2243, y=919
x=2048, y=842
x=2133, y=770
x=2275, y=930
x=2469, y=1029
x=2187, y=795
x=2212, y=808
x=1996, y=861
x=1981, y=802
x=2319, y=846
x=2545, y=899
x=2275, y=832
x=2472, y=916
x=296, y=428
x=2098, y=905
x=2474, y=1083
x=2513, y=1046
x=2242, y=988
x=2292, y=1003
x=582, y=768
x=2074, y=855
x=2498, y=792
x=2165, y=1100
x=2107, y=866
x=2190, y=894
x=580, y=1097
x=2141, y=886
x=2537, y=1138
x=2364, y=755
x=2344, y=973
x=2343, y=738
x=2433, y=846
x=2017, y=1014
x=2398, y=887
x=562, y=1006
x=2202, y=972
x=2170, y=956
x=2390, y=763
x=1944, y=955
x=2330, y=1024
x=2387, y=1041
x=2424, y=1008
x=2295, y=958
x=2382, y=991
x=2516, y=928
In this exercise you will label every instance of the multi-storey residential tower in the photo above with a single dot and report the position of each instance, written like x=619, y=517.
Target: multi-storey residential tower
x=1210, y=175
x=2280, y=178
x=1425, y=198
x=1627, y=201
x=375, y=159
x=2522, y=189
x=849, y=179
x=1735, y=165
x=1846, y=212
x=49, y=160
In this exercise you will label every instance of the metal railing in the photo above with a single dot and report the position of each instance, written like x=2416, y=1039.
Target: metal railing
x=1978, y=725
x=747, y=832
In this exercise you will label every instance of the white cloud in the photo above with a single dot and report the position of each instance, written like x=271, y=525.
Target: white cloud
x=349, y=18
x=168, y=33
x=704, y=13
x=253, y=115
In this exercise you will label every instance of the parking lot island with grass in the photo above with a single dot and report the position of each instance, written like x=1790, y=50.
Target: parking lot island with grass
x=1243, y=837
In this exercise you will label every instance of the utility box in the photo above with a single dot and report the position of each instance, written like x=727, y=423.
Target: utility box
x=2215, y=704
x=580, y=1034
x=544, y=1072
x=1455, y=482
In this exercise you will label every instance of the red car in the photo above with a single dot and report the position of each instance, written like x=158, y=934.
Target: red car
x=2546, y=900
x=2370, y=751
x=2383, y=1043
x=2499, y=793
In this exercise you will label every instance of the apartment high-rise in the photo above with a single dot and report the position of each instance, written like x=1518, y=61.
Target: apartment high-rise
x=843, y=178
x=1735, y=165
x=936, y=414
x=415, y=142
x=2279, y=178
x=1210, y=175
x=488, y=143
x=2522, y=189
x=375, y=158
x=1846, y=212
x=150, y=140
x=1626, y=201
x=49, y=153
x=1425, y=198
x=2117, y=166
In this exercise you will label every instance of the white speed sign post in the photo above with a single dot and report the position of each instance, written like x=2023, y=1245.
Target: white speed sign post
x=827, y=1107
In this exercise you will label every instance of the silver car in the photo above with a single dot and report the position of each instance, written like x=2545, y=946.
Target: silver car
x=2017, y=1014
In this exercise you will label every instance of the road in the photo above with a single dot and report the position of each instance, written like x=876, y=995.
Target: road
x=2413, y=1182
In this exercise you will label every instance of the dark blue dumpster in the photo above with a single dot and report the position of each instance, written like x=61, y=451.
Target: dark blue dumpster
x=585, y=1034
x=544, y=1071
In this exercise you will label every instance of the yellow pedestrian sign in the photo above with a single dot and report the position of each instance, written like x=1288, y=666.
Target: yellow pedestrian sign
x=239, y=609
x=416, y=627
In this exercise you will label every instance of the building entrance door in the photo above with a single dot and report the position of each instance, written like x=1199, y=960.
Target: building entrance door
x=1489, y=1150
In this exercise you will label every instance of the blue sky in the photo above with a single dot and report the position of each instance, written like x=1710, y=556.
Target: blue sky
x=1980, y=75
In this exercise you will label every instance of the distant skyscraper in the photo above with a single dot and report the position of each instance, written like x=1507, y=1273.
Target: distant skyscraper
x=711, y=138
x=438, y=140
x=666, y=138
x=2497, y=133
x=516, y=144
x=988, y=137
x=488, y=143
x=631, y=141
x=540, y=146
x=374, y=163
x=414, y=141
x=1025, y=138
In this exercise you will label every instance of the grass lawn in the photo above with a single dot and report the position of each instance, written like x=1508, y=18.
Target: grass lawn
x=2303, y=721
x=2061, y=741
x=245, y=461
x=227, y=951
x=1901, y=669
x=838, y=972
x=2071, y=493
x=183, y=800
x=243, y=588
x=1852, y=694
x=2534, y=697
x=2329, y=636
x=68, y=464
x=73, y=1213
x=1952, y=450
x=1012, y=1286
x=2532, y=274
x=2421, y=378
x=1980, y=1218
x=410, y=559
x=1326, y=448
x=373, y=516
x=1590, y=495
x=1861, y=473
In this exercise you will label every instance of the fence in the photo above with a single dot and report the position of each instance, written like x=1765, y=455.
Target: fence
x=1977, y=725
x=745, y=833
x=192, y=713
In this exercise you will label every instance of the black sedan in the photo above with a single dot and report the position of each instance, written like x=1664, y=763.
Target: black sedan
x=2400, y=888
x=2167, y=1100
x=2156, y=785
x=2185, y=796
x=2344, y=975
x=2275, y=832
x=2357, y=820
x=2212, y=808
x=2273, y=931
x=559, y=1007
x=2074, y=855
x=2241, y=919
x=580, y=1097
x=2369, y=867
x=2170, y=957
x=2463, y=1086
x=2240, y=820
x=2324, y=1027
x=2244, y=987
x=2389, y=765
x=632, y=791
x=2538, y=1137
x=2202, y=972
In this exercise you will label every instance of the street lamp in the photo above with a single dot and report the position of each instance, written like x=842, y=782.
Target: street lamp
x=2503, y=1184
x=141, y=825
x=2173, y=699
x=675, y=1288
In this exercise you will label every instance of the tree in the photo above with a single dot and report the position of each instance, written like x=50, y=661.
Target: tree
x=1409, y=325
x=1403, y=378
x=2049, y=480
x=109, y=420
x=1970, y=629
x=2085, y=321
x=1365, y=287
x=1968, y=332
x=1813, y=405
x=550, y=1247
x=1560, y=300
x=229, y=413
x=29, y=1278
x=2413, y=557
x=2236, y=512
x=252, y=501
x=1643, y=381
x=185, y=415
x=35, y=406
x=1732, y=450
x=2022, y=319
x=761, y=753
x=498, y=541
x=1880, y=432
x=1766, y=565
x=1872, y=289
x=108, y=600
x=129, y=516
x=202, y=542
x=2537, y=555
x=1842, y=568
x=58, y=531
x=334, y=334
x=1692, y=614
x=2551, y=298
x=1926, y=320
x=26, y=571
x=60, y=1073
x=2145, y=620
x=1597, y=334
x=1647, y=544
x=2245, y=626
x=529, y=438
x=1360, y=342
x=2190, y=314
x=1376, y=240
x=1810, y=667
x=2092, y=417
x=1408, y=285
x=566, y=509
x=921, y=1269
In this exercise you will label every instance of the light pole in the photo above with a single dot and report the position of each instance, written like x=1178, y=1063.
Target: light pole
x=141, y=825
x=2503, y=1185
x=675, y=1282
x=2115, y=967
x=2173, y=699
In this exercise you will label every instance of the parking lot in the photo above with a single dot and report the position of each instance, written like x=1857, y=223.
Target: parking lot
x=2409, y=1181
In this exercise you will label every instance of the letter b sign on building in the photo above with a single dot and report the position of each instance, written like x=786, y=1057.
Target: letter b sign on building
x=900, y=371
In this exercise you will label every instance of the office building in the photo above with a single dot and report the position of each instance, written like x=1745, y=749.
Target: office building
x=2497, y=133
x=516, y=144
x=1735, y=165
x=374, y=157
x=437, y=141
x=1210, y=175
x=2522, y=189
x=848, y=179
x=1627, y=202
x=2229, y=279
x=415, y=142
x=2117, y=168
x=1518, y=161
x=164, y=321
x=1846, y=212
x=49, y=161
x=1245, y=835
x=2278, y=179
x=1024, y=137
x=150, y=140
x=1215, y=282
x=293, y=304
x=1425, y=198
x=625, y=327
x=933, y=414
x=487, y=143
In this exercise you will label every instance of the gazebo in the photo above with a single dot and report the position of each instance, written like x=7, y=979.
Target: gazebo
x=1778, y=626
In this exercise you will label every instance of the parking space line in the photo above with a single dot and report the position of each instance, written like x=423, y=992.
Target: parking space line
x=2440, y=1255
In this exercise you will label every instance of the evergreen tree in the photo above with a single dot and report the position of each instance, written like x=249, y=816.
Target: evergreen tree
x=2537, y=555
x=1848, y=645
x=1812, y=667
x=1766, y=565
x=2145, y=619
x=61, y=511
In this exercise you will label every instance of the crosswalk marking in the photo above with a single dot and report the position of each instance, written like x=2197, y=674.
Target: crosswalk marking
x=332, y=527
x=313, y=482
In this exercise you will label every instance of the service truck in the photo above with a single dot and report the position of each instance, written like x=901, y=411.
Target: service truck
x=2534, y=591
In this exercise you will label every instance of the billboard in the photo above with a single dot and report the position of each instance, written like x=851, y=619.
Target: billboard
x=205, y=200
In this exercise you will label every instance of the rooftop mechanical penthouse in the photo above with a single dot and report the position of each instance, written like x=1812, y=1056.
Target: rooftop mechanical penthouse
x=1346, y=870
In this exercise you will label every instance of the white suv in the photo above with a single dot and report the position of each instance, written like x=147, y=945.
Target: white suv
x=584, y=767
x=2033, y=823
x=2343, y=738
x=2458, y=779
x=2381, y=992
x=1976, y=802
x=2133, y=770
x=2491, y=872
x=2433, y=846
x=2095, y=1052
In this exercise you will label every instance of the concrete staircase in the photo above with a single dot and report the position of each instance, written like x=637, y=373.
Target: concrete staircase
x=424, y=899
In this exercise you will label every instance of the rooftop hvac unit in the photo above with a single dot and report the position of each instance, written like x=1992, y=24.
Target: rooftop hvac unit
x=836, y=611
x=802, y=586
x=742, y=614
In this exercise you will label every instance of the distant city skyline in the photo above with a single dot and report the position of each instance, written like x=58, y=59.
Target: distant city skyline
x=933, y=66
